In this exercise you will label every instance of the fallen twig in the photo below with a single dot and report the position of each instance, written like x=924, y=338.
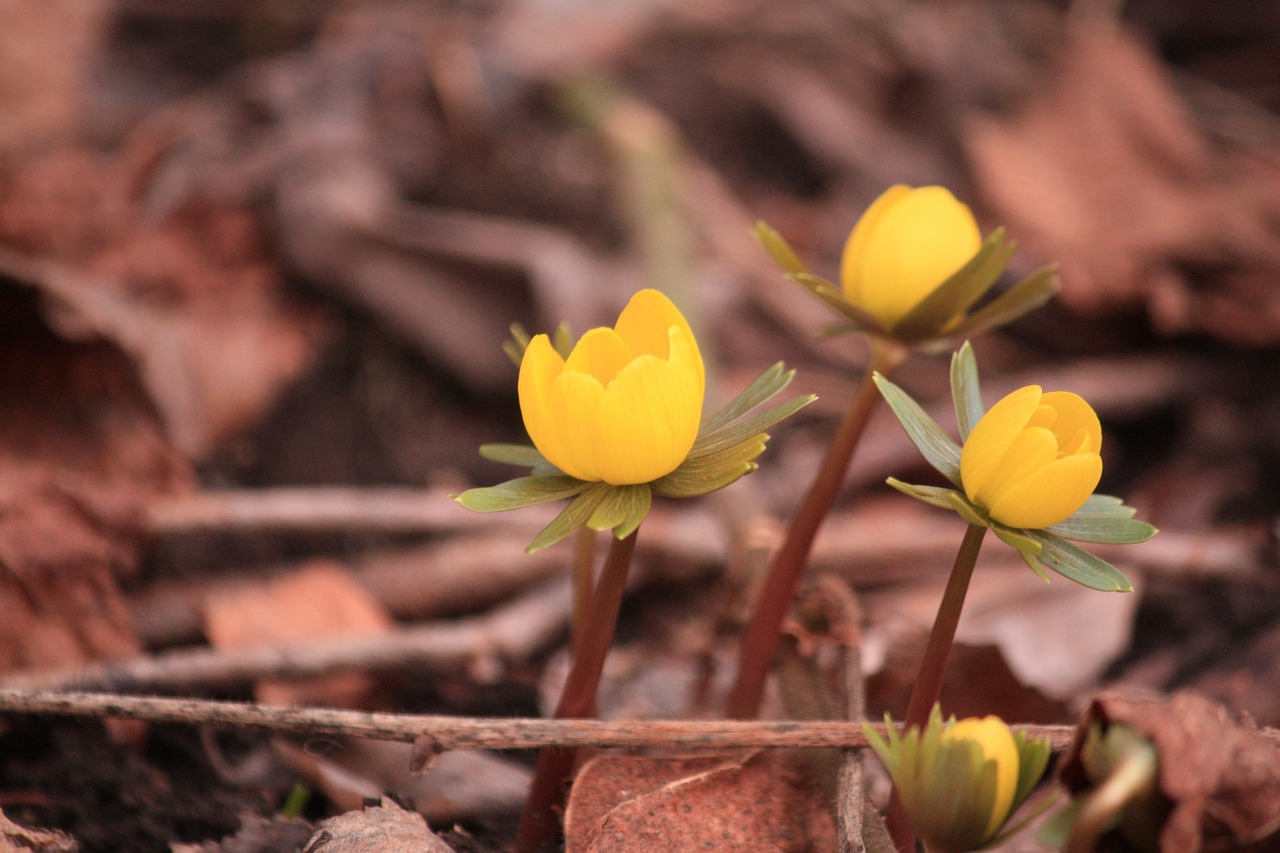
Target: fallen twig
x=479, y=645
x=446, y=733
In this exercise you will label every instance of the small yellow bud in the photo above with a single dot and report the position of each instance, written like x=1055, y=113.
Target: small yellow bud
x=625, y=406
x=906, y=244
x=996, y=742
x=960, y=782
x=1033, y=459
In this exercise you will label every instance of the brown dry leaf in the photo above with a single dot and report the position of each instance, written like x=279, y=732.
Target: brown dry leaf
x=457, y=785
x=20, y=839
x=256, y=835
x=319, y=600
x=1105, y=170
x=81, y=454
x=1222, y=776
x=46, y=54
x=761, y=801
x=1056, y=637
x=192, y=297
x=381, y=829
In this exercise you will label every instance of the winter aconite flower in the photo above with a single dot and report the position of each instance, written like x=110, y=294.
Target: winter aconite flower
x=1027, y=471
x=959, y=782
x=617, y=417
x=914, y=268
x=625, y=406
x=907, y=243
x=1032, y=460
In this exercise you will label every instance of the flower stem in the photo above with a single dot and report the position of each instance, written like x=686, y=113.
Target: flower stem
x=583, y=582
x=539, y=825
x=760, y=640
x=929, y=682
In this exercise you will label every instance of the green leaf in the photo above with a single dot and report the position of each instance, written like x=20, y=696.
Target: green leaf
x=1024, y=297
x=1079, y=565
x=968, y=510
x=966, y=391
x=1034, y=565
x=778, y=248
x=740, y=432
x=517, y=344
x=521, y=492
x=572, y=517
x=837, y=301
x=763, y=388
x=622, y=509
x=705, y=474
x=513, y=454
x=1103, y=529
x=932, y=495
x=938, y=448
x=965, y=287
x=1104, y=506
x=562, y=340
x=1017, y=540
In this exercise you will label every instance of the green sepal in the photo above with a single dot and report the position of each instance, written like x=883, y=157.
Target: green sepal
x=515, y=346
x=954, y=296
x=521, y=455
x=966, y=390
x=1034, y=565
x=932, y=495
x=573, y=516
x=938, y=448
x=1017, y=539
x=835, y=299
x=1033, y=758
x=726, y=437
x=521, y=492
x=969, y=511
x=714, y=471
x=1078, y=565
x=622, y=509
x=762, y=389
x=1024, y=297
x=1108, y=531
x=779, y=249
x=1104, y=506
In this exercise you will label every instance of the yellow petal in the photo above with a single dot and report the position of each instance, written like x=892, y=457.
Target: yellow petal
x=998, y=746
x=915, y=241
x=645, y=325
x=600, y=353
x=993, y=435
x=648, y=420
x=1032, y=449
x=1074, y=414
x=855, y=247
x=1050, y=494
x=575, y=406
x=539, y=368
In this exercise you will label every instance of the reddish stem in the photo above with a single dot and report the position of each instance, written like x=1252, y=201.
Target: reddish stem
x=539, y=824
x=760, y=640
x=928, y=686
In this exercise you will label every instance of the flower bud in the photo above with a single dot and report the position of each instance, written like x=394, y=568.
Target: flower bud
x=907, y=243
x=959, y=782
x=625, y=406
x=1033, y=459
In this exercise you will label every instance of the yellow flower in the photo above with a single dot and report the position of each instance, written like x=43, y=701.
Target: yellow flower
x=907, y=243
x=960, y=782
x=997, y=746
x=625, y=407
x=1032, y=460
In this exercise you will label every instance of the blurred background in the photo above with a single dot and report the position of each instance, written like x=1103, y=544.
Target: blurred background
x=255, y=245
